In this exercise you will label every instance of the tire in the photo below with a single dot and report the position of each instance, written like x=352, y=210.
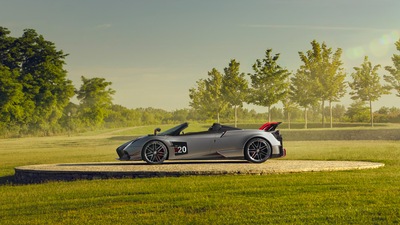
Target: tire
x=257, y=150
x=154, y=152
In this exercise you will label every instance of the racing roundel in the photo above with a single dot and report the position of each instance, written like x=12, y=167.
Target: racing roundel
x=180, y=148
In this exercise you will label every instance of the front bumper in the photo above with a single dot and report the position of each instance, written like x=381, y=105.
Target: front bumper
x=123, y=156
x=134, y=152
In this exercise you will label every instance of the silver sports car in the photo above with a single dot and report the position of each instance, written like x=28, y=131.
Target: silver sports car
x=217, y=142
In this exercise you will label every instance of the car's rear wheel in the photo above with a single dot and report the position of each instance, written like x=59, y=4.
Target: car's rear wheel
x=154, y=152
x=257, y=150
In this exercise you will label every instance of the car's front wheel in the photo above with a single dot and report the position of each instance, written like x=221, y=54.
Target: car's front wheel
x=257, y=150
x=154, y=152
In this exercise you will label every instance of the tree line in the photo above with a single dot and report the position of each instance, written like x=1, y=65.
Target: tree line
x=35, y=93
x=320, y=79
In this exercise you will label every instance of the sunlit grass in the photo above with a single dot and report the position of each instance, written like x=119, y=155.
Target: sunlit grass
x=345, y=197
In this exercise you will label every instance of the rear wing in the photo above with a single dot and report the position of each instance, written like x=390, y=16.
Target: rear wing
x=270, y=126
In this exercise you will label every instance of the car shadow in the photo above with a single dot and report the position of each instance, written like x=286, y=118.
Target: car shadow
x=141, y=163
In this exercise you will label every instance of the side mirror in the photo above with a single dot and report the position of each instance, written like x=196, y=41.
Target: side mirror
x=157, y=130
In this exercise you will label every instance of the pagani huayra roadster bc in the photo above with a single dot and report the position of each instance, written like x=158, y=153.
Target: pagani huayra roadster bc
x=218, y=142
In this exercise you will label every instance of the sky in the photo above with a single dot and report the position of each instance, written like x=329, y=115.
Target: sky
x=154, y=51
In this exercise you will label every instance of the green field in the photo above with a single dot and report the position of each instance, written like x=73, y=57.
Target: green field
x=347, y=197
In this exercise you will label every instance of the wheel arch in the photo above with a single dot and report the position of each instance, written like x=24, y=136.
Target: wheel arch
x=159, y=140
x=248, y=142
x=253, y=137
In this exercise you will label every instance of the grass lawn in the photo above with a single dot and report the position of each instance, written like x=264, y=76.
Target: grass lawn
x=346, y=197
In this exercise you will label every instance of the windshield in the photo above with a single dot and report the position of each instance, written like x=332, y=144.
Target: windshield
x=175, y=130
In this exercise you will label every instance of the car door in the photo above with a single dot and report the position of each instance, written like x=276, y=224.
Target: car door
x=195, y=145
x=229, y=143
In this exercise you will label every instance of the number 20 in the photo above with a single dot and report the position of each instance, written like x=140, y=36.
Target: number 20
x=182, y=149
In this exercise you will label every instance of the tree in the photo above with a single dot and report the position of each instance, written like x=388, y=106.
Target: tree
x=391, y=115
x=7, y=48
x=235, y=86
x=268, y=82
x=394, y=78
x=198, y=98
x=44, y=78
x=288, y=104
x=11, y=99
x=287, y=110
x=70, y=119
x=39, y=66
x=180, y=115
x=214, y=88
x=208, y=97
x=95, y=98
x=302, y=92
x=326, y=72
x=366, y=85
x=335, y=86
x=120, y=116
x=357, y=112
x=338, y=112
x=277, y=113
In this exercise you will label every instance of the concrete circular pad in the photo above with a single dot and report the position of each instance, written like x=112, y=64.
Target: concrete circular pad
x=135, y=169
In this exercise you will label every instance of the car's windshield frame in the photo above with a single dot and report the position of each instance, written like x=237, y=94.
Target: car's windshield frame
x=175, y=130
